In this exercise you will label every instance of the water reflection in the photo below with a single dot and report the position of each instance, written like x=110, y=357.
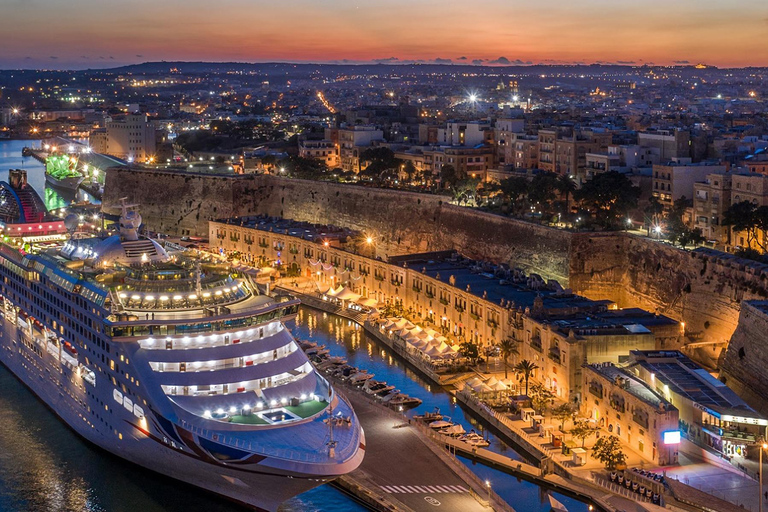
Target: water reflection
x=10, y=158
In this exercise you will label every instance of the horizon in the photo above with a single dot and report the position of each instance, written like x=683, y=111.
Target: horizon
x=116, y=66
x=84, y=34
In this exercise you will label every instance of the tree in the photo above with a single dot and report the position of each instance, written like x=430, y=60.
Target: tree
x=514, y=190
x=562, y=412
x=508, y=347
x=608, y=450
x=566, y=186
x=609, y=196
x=742, y=217
x=677, y=231
x=465, y=190
x=541, y=190
x=470, y=351
x=653, y=213
x=409, y=170
x=379, y=160
x=582, y=430
x=540, y=397
x=526, y=368
x=448, y=176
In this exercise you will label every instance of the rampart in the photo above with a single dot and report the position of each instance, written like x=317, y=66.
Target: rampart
x=704, y=289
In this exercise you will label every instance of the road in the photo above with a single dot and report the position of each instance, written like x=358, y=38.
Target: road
x=406, y=469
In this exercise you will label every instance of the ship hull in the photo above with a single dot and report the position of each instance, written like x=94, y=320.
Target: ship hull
x=66, y=183
x=52, y=384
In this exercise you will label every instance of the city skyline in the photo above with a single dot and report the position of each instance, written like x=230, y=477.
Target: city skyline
x=85, y=34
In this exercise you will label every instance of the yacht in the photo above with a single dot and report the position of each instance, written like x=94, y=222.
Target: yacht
x=173, y=361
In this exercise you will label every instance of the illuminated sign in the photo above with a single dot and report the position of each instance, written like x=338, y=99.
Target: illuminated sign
x=742, y=419
x=671, y=437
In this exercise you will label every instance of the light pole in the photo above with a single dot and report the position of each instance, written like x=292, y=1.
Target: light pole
x=760, y=488
x=488, y=485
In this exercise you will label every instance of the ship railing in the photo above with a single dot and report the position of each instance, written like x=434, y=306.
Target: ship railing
x=280, y=453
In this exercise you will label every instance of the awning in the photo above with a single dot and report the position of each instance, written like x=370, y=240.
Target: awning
x=368, y=302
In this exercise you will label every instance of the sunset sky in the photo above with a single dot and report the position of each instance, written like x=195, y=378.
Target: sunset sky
x=86, y=33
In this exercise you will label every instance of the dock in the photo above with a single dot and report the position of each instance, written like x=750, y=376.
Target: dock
x=406, y=469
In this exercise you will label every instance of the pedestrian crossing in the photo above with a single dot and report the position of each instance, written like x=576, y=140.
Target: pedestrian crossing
x=423, y=489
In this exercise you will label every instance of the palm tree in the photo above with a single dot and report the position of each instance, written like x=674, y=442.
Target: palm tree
x=508, y=347
x=527, y=368
x=566, y=186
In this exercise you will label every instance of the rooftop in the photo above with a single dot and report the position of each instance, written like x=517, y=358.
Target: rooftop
x=687, y=379
x=632, y=384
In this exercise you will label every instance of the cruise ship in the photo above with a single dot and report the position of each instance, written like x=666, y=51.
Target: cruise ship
x=173, y=361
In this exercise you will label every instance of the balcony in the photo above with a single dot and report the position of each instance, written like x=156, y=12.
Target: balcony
x=378, y=277
x=596, y=389
x=617, y=404
x=554, y=354
x=416, y=289
x=458, y=308
x=474, y=316
x=429, y=294
x=536, y=343
x=640, y=419
x=443, y=301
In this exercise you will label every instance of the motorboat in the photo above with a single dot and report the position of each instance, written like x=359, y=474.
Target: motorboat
x=429, y=416
x=401, y=400
x=453, y=431
x=375, y=387
x=360, y=377
x=474, y=439
x=440, y=424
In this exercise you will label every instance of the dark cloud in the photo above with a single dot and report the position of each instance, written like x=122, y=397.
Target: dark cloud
x=478, y=61
x=139, y=56
x=442, y=61
x=462, y=58
x=624, y=62
x=27, y=58
x=53, y=57
x=111, y=57
x=387, y=59
x=682, y=62
x=500, y=60
x=101, y=57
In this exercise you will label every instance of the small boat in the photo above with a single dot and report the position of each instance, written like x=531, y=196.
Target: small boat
x=474, y=439
x=429, y=416
x=437, y=425
x=306, y=345
x=401, y=400
x=453, y=431
x=360, y=377
x=374, y=387
x=556, y=505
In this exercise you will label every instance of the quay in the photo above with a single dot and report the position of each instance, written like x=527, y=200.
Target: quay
x=551, y=473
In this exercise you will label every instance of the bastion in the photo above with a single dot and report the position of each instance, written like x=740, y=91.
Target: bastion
x=701, y=288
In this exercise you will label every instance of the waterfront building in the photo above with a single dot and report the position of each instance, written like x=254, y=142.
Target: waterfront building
x=467, y=300
x=711, y=414
x=622, y=404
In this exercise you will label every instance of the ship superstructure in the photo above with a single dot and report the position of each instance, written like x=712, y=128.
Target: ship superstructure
x=175, y=362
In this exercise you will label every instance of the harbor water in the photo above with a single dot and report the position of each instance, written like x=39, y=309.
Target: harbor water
x=345, y=338
x=10, y=158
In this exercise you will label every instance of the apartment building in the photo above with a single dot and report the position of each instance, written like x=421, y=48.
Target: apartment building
x=323, y=150
x=676, y=179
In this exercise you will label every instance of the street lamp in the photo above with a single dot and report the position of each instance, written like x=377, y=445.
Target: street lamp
x=488, y=485
x=763, y=446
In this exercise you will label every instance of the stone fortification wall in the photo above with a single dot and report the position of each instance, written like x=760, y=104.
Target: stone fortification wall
x=702, y=289
x=745, y=365
x=401, y=222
